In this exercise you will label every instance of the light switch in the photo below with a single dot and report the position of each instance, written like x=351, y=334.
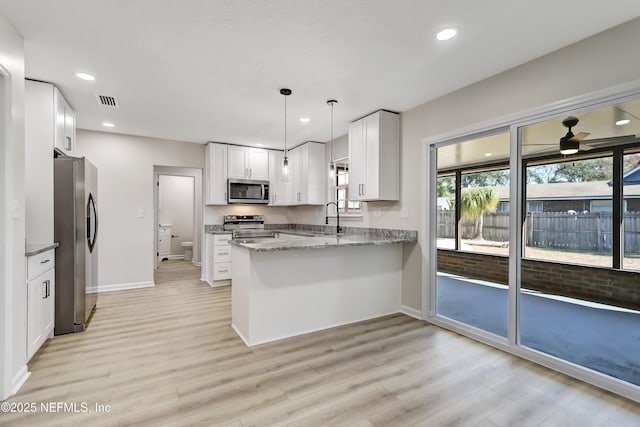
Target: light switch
x=404, y=213
x=140, y=213
x=16, y=210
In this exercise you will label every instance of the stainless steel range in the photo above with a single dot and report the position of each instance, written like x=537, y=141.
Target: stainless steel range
x=247, y=227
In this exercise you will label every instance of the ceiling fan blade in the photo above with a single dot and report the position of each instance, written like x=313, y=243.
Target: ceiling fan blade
x=586, y=147
x=579, y=137
x=533, y=144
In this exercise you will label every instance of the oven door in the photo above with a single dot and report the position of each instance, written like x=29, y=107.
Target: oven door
x=247, y=191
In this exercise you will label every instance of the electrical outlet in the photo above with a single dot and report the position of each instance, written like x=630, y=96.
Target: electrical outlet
x=140, y=213
x=404, y=213
x=377, y=212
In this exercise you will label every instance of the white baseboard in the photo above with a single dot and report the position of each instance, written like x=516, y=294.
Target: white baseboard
x=411, y=312
x=19, y=379
x=217, y=283
x=197, y=264
x=120, y=287
x=240, y=335
x=173, y=256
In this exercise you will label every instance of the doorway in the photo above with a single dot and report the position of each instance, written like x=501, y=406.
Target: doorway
x=178, y=230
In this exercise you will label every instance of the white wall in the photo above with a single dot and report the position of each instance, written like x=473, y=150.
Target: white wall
x=125, y=185
x=175, y=207
x=598, y=62
x=13, y=290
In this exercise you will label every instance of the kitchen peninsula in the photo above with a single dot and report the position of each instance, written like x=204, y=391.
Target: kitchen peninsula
x=305, y=281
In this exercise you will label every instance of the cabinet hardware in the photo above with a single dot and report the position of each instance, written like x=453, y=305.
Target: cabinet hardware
x=45, y=261
x=44, y=289
x=223, y=271
x=223, y=253
x=363, y=190
x=68, y=144
x=48, y=288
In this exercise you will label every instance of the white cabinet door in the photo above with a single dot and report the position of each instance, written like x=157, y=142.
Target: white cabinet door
x=238, y=162
x=279, y=184
x=216, y=174
x=315, y=176
x=40, y=309
x=374, y=169
x=258, y=164
x=296, y=174
x=370, y=189
x=65, y=124
x=48, y=305
x=36, y=296
x=307, y=174
x=58, y=114
x=69, y=129
x=209, y=256
x=357, y=160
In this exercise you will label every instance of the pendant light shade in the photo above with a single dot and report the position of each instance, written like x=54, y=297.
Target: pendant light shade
x=285, y=161
x=332, y=165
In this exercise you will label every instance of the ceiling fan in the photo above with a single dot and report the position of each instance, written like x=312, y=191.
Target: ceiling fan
x=570, y=143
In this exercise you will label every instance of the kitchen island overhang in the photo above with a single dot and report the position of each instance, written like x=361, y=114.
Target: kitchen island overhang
x=292, y=287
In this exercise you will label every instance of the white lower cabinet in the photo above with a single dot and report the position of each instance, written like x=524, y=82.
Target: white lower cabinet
x=218, y=267
x=40, y=300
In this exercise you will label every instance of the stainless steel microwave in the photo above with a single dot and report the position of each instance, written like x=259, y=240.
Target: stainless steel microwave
x=247, y=191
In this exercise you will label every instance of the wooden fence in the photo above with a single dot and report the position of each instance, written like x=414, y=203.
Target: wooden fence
x=582, y=232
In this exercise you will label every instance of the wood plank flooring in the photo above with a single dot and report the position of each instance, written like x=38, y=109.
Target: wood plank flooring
x=167, y=356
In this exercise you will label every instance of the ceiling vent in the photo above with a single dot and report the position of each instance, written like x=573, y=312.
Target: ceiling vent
x=107, y=101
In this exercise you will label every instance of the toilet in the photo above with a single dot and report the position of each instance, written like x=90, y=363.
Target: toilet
x=188, y=250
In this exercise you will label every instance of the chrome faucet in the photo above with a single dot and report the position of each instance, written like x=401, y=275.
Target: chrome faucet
x=326, y=218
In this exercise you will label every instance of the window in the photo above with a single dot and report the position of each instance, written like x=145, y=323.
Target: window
x=574, y=223
x=631, y=215
x=342, y=188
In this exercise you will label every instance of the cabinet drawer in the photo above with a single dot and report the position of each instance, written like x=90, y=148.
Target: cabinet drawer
x=222, y=271
x=38, y=264
x=221, y=239
x=222, y=253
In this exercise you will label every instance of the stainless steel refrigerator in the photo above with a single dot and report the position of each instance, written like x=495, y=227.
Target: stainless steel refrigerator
x=76, y=230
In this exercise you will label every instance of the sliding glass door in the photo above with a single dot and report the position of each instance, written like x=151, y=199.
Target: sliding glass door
x=560, y=284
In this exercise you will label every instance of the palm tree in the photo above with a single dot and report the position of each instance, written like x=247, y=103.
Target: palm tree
x=475, y=202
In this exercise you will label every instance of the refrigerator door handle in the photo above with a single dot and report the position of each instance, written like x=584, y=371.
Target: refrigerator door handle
x=91, y=211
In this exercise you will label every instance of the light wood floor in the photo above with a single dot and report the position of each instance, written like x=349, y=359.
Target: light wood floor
x=167, y=356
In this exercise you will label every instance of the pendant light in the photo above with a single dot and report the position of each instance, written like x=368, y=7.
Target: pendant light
x=285, y=161
x=332, y=165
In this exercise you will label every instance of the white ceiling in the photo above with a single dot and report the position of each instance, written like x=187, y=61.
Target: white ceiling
x=202, y=70
x=544, y=137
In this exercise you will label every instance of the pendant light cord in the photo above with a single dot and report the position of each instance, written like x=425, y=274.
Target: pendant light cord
x=285, y=126
x=331, y=102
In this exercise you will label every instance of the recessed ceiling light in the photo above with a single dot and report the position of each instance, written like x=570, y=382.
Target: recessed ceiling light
x=85, y=76
x=108, y=125
x=259, y=144
x=446, y=34
x=488, y=154
x=305, y=119
x=623, y=122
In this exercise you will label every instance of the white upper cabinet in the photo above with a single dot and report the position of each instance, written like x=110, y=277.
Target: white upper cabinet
x=248, y=163
x=216, y=174
x=65, y=124
x=49, y=125
x=307, y=174
x=258, y=164
x=374, y=157
x=279, y=184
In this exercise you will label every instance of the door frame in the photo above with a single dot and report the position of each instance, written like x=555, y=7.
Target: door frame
x=621, y=93
x=198, y=209
x=6, y=296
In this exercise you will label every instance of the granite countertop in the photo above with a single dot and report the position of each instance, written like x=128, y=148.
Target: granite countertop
x=301, y=239
x=38, y=248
